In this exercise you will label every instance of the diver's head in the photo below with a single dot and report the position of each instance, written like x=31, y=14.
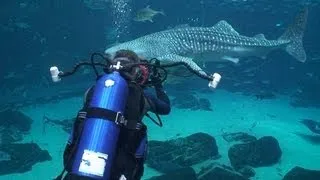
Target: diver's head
x=138, y=48
x=126, y=56
x=137, y=73
x=111, y=51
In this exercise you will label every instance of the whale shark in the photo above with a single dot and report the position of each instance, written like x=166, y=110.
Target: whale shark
x=220, y=42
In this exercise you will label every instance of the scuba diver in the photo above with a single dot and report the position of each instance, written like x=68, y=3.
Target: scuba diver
x=132, y=143
x=109, y=140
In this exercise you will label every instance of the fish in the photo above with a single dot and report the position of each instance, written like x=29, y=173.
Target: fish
x=265, y=95
x=147, y=14
x=220, y=42
x=97, y=4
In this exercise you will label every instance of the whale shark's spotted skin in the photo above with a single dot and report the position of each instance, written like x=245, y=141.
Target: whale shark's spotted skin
x=219, y=42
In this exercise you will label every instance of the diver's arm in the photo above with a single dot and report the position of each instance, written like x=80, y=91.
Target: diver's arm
x=160, y=103
x=161, y=94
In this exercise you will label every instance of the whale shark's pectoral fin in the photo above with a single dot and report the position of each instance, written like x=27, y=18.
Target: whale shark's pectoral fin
x=232, y=59
x=187, y=60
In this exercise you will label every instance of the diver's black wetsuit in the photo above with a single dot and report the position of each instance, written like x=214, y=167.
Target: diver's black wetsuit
x=132, y=143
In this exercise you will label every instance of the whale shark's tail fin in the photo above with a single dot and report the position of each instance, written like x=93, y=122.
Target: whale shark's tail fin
x=294, y=34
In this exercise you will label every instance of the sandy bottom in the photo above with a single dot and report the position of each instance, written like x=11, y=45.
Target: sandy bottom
x=232, y=113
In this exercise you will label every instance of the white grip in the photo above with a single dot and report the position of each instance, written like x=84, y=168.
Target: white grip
x=55, y=74
x=215, y=81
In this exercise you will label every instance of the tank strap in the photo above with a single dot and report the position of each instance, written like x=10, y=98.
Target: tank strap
x=106, y=114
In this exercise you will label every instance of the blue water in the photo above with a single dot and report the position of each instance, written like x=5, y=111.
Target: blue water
x=38, y=34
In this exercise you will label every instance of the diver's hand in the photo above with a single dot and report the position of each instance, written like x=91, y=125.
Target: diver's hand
x=156, y=80
x=156, y=76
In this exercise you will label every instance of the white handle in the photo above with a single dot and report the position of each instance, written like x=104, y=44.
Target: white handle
x=215, y=81
x=55, y=74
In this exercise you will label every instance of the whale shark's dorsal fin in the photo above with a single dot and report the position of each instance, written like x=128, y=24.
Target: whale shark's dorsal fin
x=260, y=36
x=225, y=27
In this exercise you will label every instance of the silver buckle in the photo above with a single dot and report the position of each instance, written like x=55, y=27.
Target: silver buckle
x=138, y=126
x=82, y=114
x=120, y=119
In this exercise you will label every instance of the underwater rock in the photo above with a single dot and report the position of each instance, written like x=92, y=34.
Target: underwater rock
x=312, y=125
x=298, y=173
x=219, y=172
x=262, y=152
x=11, y=118
x=181, y=174
x=313, y=139
x=13, y=126
x=189, y=101
x=10, y=135
x=247, y=172
x=238, y=136
x=19, y=158
x=166, y=156
x=204, y=104
x=65, y=124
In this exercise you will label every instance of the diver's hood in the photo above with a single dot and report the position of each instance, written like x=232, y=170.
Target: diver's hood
x=122, y=60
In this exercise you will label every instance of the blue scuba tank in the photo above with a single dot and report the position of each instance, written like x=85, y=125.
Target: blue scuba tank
x=98, y=141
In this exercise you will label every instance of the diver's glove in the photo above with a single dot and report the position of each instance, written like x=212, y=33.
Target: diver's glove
x=156, y=77
x=161, y=94
x=156, y=80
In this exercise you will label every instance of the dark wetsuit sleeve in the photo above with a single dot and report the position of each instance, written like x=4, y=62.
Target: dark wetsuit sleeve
x=160, y=103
